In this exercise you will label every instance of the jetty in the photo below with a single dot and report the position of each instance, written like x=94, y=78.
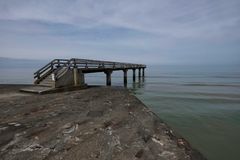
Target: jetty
x=67, y=73
x=98, y=123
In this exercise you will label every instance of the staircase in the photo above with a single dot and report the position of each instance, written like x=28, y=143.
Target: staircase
x=47, y=75
x=45, y=78
x=48, y=81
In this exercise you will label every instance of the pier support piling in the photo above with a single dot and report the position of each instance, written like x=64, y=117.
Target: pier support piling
x=108, y=78
x=82, y=77
x=143, y=72
x=125, y=77
x=78, y=77
x=134, y=75
x=139, y=72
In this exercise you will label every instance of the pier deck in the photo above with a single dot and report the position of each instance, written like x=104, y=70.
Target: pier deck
x=52, y=73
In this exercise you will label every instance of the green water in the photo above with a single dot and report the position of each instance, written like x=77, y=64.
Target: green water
x=202, y=105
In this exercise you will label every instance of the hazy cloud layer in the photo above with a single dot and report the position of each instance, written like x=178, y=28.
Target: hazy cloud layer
x=152, y=31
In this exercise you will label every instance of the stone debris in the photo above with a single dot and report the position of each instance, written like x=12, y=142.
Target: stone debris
x=157, y=141
x=69, y=130
x=108, y=102
x=17, y=137
x=3, y=129
x=167, y=154
x=14, y=124
x=139, y=154
x=67, y=126
x=32, y=147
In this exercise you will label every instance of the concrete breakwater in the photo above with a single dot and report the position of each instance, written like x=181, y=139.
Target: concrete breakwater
x=95, y=123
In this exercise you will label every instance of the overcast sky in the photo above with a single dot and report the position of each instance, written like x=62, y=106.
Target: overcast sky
x=146, y=31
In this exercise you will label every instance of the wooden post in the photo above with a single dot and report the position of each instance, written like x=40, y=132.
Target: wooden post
x=143, y=72
x=134, y=75
x=108, y=77
x=125, y=77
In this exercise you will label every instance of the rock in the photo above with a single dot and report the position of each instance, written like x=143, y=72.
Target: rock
x=139, y=154
x=157, y=141
x=14, y=124
x=67, y=126
x=70, y=130
x=33, y=147
x=3, y=129
x=95, y=113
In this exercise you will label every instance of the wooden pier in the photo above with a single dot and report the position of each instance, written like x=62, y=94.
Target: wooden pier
x=71, y=72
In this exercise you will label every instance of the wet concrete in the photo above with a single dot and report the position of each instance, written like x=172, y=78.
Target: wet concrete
x=95, y=123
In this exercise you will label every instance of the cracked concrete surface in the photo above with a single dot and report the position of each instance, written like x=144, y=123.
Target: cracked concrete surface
x=95, y=123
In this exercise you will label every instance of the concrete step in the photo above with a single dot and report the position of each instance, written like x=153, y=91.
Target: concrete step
x=40, y=89
x=37, y=89
x=46, y=84
x=47, y=81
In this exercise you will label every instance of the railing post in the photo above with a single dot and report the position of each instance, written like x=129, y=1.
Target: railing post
x=38, y=76
x=58, y=63
x=74, y=63
x=51, y=66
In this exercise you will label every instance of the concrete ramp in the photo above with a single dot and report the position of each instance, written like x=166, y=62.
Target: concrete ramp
x=37, y=89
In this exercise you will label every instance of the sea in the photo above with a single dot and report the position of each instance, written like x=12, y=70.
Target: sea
x=201, y=103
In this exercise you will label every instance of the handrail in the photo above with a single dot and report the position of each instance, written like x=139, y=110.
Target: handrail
x=44, y=66
x=50, y=66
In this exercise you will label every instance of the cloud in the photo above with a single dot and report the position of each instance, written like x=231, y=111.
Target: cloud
x=138, y=26
x=174, y=17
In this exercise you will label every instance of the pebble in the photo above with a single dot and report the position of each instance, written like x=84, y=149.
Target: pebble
x=69, y=130
x=3, y=128
x=14, y=124
x=67, y=125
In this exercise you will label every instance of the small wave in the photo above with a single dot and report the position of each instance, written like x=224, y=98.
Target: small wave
x=214, y=85
x=165, y=76
x=211, y=95
x=197, y=99
x=228, y=76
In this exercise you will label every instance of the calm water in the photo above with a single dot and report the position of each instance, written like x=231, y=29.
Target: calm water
x=200, y=103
